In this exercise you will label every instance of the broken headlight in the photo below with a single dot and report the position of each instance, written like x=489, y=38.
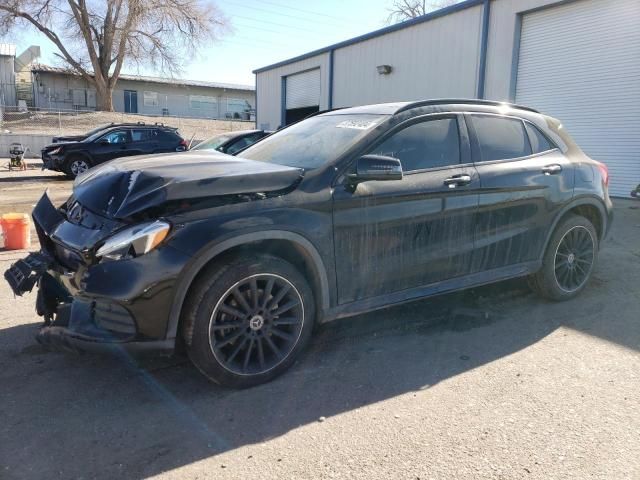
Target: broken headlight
x=134, y=241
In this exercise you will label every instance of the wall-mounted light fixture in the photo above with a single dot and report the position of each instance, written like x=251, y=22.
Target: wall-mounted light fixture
x=384, y=69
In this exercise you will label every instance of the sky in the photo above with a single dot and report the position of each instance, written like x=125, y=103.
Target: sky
x=263, y=32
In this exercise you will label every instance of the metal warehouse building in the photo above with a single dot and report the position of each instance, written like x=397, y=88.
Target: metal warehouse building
x=577, y=60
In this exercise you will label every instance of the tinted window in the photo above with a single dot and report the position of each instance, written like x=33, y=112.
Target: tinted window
x=118, y=136
x=499, y=138
x=430, y=144
x=212, y=143
x=140, y=135
x=313, y=142
x=243, y=142
x=539, y=143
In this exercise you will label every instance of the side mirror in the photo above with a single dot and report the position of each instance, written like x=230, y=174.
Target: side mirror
x=376, y=167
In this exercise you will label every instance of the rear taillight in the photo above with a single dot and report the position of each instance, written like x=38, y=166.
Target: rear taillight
x=604, y=172
x=183, y=145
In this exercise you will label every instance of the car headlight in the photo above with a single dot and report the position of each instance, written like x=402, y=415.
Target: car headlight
x=134, y=241
x=55, y=151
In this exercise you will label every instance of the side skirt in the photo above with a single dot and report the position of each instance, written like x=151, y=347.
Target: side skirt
x=447, y=286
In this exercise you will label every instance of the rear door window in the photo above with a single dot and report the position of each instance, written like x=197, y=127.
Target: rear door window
x=141, y=134
x=428, y=144
x=499, y=138
x=539, y=142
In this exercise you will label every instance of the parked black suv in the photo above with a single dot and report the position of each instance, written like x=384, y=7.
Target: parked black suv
x=341, y=213
x=76, y=157
x=77, y=138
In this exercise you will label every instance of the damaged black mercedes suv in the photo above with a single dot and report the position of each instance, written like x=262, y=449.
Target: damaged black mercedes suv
x=236, y=258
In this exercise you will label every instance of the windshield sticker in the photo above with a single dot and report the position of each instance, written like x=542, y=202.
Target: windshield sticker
x=356, y=124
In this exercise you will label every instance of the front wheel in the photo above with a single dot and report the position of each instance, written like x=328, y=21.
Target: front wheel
x=247, y=320
x=568, y=261
x=76, y=166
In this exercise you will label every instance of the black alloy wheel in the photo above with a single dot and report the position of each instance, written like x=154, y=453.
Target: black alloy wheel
x=569, y=259
x=256, y=324
x=574, y=258
x=247, y=318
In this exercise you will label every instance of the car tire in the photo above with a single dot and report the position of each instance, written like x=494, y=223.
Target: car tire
x=568, y=261
x=238, y=342
x=76, y=165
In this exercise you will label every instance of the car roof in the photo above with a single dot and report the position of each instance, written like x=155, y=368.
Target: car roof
x=138, y=125
x=397, y=107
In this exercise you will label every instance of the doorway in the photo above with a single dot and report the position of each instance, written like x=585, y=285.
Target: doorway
x=131, y=101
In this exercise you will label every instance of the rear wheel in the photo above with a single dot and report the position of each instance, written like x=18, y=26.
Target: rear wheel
x=247, y=321
x=568, y=261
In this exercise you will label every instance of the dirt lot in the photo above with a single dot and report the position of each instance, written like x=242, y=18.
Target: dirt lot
x=490, y=383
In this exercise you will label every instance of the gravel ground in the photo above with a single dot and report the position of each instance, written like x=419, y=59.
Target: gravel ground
x=490, y=383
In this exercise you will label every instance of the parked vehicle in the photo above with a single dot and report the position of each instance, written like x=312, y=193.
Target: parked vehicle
x=74, y=158
x=232, y=142
x=636, y=192
x=237, y=258
x=77, y=138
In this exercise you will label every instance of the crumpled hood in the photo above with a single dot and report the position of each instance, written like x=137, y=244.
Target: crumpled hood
x=126, y=186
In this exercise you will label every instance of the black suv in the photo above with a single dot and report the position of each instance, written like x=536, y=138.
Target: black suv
x=345, y=212
x=76, y=157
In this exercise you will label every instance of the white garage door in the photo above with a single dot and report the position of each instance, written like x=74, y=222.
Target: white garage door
x=580, y=62
x=303, y=89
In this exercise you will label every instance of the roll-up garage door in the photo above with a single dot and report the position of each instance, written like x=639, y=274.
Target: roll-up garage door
x=303, y=89
x=580, y=62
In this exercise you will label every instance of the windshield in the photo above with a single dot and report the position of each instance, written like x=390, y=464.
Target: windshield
x=213, y=142
x=93, y=134
x=313, y=142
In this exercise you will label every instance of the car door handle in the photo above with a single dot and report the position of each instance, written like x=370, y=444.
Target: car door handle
x=552, y=169
x=458, y=180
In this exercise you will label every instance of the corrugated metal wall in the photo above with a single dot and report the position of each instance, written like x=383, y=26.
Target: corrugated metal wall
x=434, y=59
x=574, y=66
x=7, y=81
x=269, y=89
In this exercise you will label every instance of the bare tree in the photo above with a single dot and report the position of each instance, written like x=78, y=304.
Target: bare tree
x=95, y=38
x=402, y=10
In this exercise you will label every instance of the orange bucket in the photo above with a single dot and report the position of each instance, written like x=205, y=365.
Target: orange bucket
x=16, y=231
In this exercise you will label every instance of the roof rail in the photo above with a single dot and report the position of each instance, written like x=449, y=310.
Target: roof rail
x=470, y=101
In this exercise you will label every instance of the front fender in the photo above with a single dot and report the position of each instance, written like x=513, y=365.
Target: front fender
x=209, y=252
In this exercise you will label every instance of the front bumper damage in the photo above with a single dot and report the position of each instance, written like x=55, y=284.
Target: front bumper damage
x=51, y=162
x=120, y=305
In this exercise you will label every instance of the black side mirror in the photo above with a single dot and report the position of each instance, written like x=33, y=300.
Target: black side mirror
x=376, y=167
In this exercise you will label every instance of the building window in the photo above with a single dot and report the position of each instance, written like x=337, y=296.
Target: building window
x=151, y=99
x=237, y=105
x=202, y=102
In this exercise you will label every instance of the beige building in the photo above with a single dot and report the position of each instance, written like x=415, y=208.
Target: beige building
x=56, y=88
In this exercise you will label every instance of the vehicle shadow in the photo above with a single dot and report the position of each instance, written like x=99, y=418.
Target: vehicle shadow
x=103, y=417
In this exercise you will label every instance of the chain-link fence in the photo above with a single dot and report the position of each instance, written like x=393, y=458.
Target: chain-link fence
x=37, y=121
